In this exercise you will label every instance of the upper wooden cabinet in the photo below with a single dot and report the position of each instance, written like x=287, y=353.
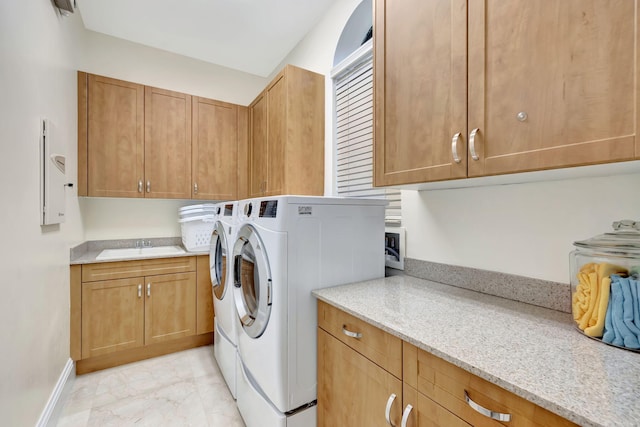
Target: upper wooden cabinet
x=110, y=137
x=141, y=141
x=286, y=146
x=167, y=144
x=219, y=130
x=475, y=88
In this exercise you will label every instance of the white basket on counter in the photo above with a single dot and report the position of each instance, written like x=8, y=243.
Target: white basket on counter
x=196, y=232
x=196, y=210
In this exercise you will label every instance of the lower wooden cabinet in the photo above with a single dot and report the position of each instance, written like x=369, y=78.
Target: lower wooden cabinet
x=204, y=297
x=158, y=309
x=113, y=316
x=352, y=390
x=357, y=386
x=449, y=386
x=420, y=411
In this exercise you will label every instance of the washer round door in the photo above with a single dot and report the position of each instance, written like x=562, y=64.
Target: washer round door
x=218, y=252
x=251, y=281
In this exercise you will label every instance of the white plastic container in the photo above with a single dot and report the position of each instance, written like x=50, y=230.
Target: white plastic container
x=204, y=206
x=196, y=232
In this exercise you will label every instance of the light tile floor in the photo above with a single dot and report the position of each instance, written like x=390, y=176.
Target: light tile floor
x=179, y=389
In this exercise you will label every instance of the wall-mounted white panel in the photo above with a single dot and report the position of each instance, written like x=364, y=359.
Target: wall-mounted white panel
x=52, y=176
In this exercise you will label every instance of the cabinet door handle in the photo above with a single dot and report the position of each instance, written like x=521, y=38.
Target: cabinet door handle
x=140, y=290
x=472, y=144
x=148, y=289
x=356, y=335
x=387, y=411
x=148, y=186
x=454, y=147
x=405, y=415
x=195, y=188
x=140, y=186
x=486, y=412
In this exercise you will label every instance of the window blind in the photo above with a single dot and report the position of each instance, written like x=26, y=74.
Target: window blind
x=353, y=96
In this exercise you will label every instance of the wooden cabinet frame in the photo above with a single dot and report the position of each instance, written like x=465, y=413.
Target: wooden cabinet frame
x=162, y=146
x=286, y=141
x=356, y=362
x=506, y=87
x=166, y=306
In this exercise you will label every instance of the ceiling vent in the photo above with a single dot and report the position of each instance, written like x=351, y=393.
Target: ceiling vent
x=65, y=6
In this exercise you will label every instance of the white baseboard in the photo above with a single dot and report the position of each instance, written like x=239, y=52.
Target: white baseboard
x=53, y=407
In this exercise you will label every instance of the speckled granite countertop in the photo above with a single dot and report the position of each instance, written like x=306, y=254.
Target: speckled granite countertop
x=86, y=253
x=531, y=351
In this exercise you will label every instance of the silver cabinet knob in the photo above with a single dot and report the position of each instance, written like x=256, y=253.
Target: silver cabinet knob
x=405, y=415
x=486, y=412
x=472, y=144
x=195, y=188
x=148, y=289
x=387, y=411
x=454, y=147
x=522, y=116
x=356, y=335
x=140, y=186
x=140, y=290
x=148, y=186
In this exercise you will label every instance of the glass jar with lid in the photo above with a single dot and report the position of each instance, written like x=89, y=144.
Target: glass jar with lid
x=605, y=285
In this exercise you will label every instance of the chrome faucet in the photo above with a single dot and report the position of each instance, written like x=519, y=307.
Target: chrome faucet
x=143, y=244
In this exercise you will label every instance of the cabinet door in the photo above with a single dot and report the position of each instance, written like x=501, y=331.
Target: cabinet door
x=112, y=316
x=424, y=412
x=276, y=136
x=115, y=138
x=167, y=144
x=170, y=307
x=215, y=150
x=420, y=86
x=551, y=84
x=352, y=390
x=258, y=147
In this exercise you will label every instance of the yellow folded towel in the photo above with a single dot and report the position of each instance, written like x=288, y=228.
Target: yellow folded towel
x=582, y=295
x=597, y=329
x=591, y=297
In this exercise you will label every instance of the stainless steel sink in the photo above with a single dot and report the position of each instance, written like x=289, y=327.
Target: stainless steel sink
x=158, y=251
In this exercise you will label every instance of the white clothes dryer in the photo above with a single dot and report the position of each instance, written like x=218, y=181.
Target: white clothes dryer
x=286, y=247
x=225, y=318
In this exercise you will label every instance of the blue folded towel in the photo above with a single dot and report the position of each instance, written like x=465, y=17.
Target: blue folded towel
x=609, y=335
x=635, y=301
x=620, y=315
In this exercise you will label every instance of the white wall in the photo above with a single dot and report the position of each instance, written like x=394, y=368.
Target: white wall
x=38, y=50
x=121, y=59
x=524, y=229
x=108, y=218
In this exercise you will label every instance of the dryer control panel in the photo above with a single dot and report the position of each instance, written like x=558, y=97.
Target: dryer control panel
x=268, y=209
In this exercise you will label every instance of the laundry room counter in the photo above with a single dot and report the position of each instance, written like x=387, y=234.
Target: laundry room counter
x=534, y=352
x=86, y=252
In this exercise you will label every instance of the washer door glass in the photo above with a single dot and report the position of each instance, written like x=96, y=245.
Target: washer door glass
x=252, y=281
x=218, y=260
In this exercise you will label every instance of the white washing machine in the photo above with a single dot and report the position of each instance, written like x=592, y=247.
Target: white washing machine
x=286, y=247
x=225, y=319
